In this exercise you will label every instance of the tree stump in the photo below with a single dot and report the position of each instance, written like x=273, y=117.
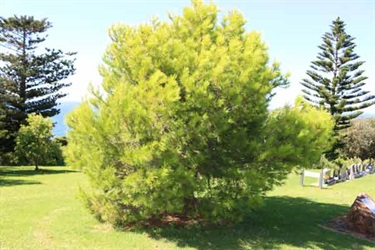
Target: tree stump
x=361, y=217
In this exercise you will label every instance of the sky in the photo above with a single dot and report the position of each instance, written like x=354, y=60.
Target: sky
x=292, y=30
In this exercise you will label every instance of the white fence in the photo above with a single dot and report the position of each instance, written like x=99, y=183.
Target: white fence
x=318, y=175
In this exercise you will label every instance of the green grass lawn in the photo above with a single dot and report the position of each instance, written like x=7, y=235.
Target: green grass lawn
x=40, y=210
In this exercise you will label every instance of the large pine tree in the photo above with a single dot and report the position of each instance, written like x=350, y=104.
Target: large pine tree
x=30, y=82
x=182, y=125
x=335, y=80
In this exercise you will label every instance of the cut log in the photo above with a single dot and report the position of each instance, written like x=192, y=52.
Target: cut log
x=361, y=217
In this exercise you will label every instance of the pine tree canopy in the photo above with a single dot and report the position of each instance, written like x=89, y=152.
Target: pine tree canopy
x=336, y=80
x=31, y=79
x=181, y=125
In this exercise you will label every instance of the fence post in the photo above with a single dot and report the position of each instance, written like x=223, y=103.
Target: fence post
x=321, y=179
x=302, y=176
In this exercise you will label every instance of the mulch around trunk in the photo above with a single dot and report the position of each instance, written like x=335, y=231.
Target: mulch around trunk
x=338, y=225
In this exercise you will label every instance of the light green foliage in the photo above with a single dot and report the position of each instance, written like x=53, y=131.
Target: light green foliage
x=347, y=162
x=181, y=125
x=296, y=135
x=33, y=143
x=325, y=163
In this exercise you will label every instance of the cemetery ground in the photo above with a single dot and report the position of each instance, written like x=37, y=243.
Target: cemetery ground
x=41, y=210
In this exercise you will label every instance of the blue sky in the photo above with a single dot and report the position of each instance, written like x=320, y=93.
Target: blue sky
x=292, y=29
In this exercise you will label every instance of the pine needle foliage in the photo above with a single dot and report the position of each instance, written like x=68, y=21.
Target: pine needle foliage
x=181, y=124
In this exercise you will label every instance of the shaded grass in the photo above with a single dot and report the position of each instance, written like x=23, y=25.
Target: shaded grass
x=23, y=171
x=41, y=211
x=283, y=223
x=7, y=182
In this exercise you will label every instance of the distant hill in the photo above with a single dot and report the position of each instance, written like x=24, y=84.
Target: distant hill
x=60, y=128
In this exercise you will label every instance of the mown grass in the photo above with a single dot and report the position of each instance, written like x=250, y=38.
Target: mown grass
x=40, y=210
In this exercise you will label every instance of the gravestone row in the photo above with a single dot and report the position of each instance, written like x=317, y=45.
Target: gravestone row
x=345, y=174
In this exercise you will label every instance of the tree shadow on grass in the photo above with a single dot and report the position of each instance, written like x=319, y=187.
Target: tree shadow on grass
x=14, y=182
x=287, y=221
x=17, y=171
x=7, y=174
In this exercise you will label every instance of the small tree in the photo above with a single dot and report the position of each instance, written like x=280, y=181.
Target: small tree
x=30, y=82
x=34, y=143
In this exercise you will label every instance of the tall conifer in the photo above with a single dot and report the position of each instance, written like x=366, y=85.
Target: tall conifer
x=29, y=82
x=336, y=80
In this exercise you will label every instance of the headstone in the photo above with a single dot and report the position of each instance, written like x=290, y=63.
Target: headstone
x=351, y=172
x=361, y=217
x=371, y=168
x=344, y=176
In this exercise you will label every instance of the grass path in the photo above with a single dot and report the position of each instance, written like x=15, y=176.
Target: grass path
x=40, y=210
